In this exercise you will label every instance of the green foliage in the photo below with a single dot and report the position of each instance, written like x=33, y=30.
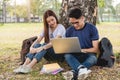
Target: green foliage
x=112, y=9
x=1, y=24
x=21, y=11
x=36, y=7
x=101, y=3
x=118, y=8
x=117, y=55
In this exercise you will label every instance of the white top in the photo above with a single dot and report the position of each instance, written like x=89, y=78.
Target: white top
x=60, y=30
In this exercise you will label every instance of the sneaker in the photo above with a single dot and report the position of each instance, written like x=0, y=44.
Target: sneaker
x=83, y=73
x=25, y=69
x=68, y=75
x=18, y=69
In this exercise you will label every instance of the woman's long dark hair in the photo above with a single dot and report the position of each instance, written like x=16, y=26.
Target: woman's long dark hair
x=46, y=26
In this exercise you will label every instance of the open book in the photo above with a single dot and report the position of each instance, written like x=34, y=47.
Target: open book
x=53, y=68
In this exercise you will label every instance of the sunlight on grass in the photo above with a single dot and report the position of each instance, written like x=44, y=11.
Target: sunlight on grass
x=12, y=35
x=111, y=31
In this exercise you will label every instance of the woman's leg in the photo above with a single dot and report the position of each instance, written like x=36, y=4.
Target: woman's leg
x=51, y=56
x=29, y=56
x=38, y=56
x=32, y=63
x=27, y=61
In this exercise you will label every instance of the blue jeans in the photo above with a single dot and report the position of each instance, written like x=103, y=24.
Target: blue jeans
x=80, y=59
x=49, y=54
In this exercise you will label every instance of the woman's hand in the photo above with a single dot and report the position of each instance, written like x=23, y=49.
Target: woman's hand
x=39, y=49
x=33, y=50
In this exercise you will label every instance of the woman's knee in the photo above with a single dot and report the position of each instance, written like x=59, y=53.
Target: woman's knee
x=37, y=45
x=40, y=55
x=30, y=56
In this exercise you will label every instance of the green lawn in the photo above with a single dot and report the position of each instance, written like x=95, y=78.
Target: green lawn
x=12, y=35
x=111, y=31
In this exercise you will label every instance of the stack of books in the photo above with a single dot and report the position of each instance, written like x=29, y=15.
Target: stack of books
x=53, y=68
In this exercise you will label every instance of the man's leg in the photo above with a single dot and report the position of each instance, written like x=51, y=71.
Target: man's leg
x=51, y=56
x=72, y=61
x=90, y=60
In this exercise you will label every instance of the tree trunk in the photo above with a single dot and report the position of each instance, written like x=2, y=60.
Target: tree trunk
x=88, y=7
x=4, y=12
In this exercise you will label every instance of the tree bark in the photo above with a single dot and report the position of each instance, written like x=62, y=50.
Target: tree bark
x=88, y=7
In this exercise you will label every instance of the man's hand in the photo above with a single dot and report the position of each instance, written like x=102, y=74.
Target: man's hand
x=83, y=50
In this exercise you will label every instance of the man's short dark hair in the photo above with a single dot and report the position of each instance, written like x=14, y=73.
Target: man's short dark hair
x=75, y=13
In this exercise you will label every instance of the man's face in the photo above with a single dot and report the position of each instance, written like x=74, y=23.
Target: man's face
x=77, y=23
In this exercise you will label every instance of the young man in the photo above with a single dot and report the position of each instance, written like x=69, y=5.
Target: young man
x=88, y=37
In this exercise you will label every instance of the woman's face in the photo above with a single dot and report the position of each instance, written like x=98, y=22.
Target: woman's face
x=51, y=20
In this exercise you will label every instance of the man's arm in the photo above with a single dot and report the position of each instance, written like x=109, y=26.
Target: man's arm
x=94, y=49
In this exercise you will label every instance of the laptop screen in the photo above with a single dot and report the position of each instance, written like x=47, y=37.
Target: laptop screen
x=66, y=45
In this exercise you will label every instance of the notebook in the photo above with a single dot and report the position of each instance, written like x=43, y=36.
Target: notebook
x=66, y=45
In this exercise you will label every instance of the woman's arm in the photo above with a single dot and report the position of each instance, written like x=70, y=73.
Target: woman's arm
x=47, y=45
x=50, y=44
x=37, y=41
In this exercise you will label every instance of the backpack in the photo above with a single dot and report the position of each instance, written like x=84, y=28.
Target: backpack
x=26, y=47
x=106, y=57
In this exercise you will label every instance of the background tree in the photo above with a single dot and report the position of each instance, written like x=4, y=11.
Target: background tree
x=101, y=5
x=1, y=11
x=118, y=9
x=38, y=7
x=88, y=7
x=105, y=7
x=33, y=9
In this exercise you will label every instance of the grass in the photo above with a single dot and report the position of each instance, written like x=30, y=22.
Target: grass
x=111, y=31
x=12, y=35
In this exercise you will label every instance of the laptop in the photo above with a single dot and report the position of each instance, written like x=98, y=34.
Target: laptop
x=66, y=45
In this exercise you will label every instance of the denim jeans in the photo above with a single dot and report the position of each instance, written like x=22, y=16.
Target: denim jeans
x=49, y=54
x=80, y=59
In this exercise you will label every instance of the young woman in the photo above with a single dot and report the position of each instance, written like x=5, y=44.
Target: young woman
x=52, y=29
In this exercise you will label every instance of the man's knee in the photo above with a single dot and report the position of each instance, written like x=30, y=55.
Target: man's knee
x=93, y=59
x=68, y=56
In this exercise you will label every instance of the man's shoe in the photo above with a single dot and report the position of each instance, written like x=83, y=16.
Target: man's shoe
x=68, y=75
x=83, y=73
